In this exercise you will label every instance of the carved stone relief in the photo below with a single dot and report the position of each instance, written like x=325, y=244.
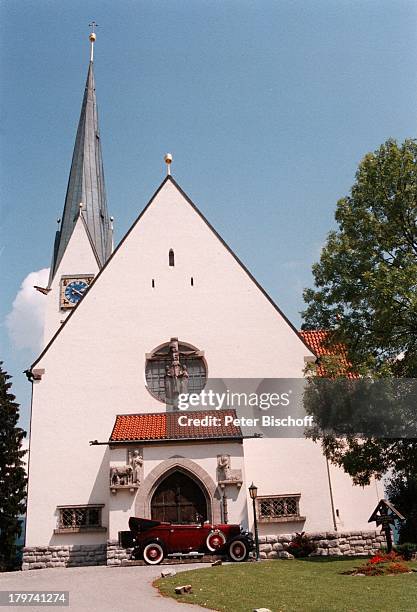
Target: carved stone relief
x=127, y=476
x=225, y=473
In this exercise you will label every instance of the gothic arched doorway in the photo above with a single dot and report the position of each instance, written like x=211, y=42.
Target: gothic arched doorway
x=179, y=499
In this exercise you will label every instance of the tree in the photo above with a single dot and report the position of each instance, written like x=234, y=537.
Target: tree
x=402, y=492
x=366, y=279
x=366, y=293
x=12, y=474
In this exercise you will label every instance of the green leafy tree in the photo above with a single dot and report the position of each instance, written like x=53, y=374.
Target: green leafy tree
x=12, y=474
x=366, y=292
x=366, y=279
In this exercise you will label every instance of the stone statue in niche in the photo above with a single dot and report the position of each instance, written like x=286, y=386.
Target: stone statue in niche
x=136, y=463
x=223, y=463
x=176, y=375
x=224, y=472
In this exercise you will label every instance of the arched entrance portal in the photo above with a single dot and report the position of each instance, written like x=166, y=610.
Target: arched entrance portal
x=179, y=499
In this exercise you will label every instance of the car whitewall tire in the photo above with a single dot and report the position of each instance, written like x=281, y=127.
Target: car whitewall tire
x=238, y=551
x=153, y=553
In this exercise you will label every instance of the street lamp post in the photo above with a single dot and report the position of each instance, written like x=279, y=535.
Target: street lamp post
x=253, y=492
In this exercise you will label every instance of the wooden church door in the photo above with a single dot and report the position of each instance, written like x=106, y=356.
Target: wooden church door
x=179, y=499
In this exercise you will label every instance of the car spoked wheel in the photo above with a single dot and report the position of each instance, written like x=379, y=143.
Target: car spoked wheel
x=215, y=540
x=153, y=553
x=238, y=551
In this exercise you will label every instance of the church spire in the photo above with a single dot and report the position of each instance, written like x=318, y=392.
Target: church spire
x=86, y=195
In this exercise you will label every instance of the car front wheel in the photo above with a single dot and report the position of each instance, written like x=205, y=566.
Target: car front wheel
x=238, y=550
x=153, y=553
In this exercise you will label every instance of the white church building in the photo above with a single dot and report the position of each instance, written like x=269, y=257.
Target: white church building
x=169, y=308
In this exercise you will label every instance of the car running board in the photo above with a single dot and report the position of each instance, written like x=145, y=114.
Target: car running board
x=189, y=554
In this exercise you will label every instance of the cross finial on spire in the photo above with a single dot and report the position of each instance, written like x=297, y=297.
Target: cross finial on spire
x=168, y=161
x=92, y=38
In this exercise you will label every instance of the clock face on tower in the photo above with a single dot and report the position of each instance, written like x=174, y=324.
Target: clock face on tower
x=73, y=289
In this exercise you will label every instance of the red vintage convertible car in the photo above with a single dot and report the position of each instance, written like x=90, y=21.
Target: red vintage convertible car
x=153, y=540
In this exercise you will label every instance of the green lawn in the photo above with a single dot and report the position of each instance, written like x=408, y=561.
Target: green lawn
x=295, y=586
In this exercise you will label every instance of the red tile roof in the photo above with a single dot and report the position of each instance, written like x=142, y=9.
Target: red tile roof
x=317, y=341
x=165, y=426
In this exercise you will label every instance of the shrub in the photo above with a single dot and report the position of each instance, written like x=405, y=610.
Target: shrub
x=406, y=550
x=301, y=545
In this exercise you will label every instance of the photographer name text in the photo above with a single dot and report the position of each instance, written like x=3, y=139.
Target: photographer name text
x=265, y=421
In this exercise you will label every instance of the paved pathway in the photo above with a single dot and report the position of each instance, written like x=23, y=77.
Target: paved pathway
x=101, y=588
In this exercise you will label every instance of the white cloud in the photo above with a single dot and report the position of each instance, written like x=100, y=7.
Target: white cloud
x=25, y=446
x=26, y=319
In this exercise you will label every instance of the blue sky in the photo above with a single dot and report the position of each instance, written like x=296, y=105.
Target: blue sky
x=267, y=107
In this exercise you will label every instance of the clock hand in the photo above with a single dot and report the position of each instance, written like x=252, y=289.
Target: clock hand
x=77, y=292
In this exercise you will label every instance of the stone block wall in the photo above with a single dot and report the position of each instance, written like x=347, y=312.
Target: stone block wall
x=40, y=557
x=116, y=554
x=329, y=544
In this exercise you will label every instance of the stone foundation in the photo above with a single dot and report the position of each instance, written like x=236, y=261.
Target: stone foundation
x=40, y=557
x=329, y=544
x=116, y=554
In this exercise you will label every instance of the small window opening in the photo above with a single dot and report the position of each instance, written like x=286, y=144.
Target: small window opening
x=192, y=282
x=171, y=258
x=153, y=283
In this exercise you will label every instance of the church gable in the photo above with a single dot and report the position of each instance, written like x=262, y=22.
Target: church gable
x=80, y=253
x=172, y=275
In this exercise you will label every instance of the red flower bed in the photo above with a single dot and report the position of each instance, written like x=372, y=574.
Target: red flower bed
x=382, y=564
x=376, y=559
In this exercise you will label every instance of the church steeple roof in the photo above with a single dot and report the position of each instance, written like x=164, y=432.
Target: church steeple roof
x=86, y=194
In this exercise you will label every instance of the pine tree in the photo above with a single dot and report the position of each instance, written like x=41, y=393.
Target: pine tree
x=12, y=474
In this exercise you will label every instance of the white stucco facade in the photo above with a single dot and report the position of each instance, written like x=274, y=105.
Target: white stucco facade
x=78, y=254
x=94, y=369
